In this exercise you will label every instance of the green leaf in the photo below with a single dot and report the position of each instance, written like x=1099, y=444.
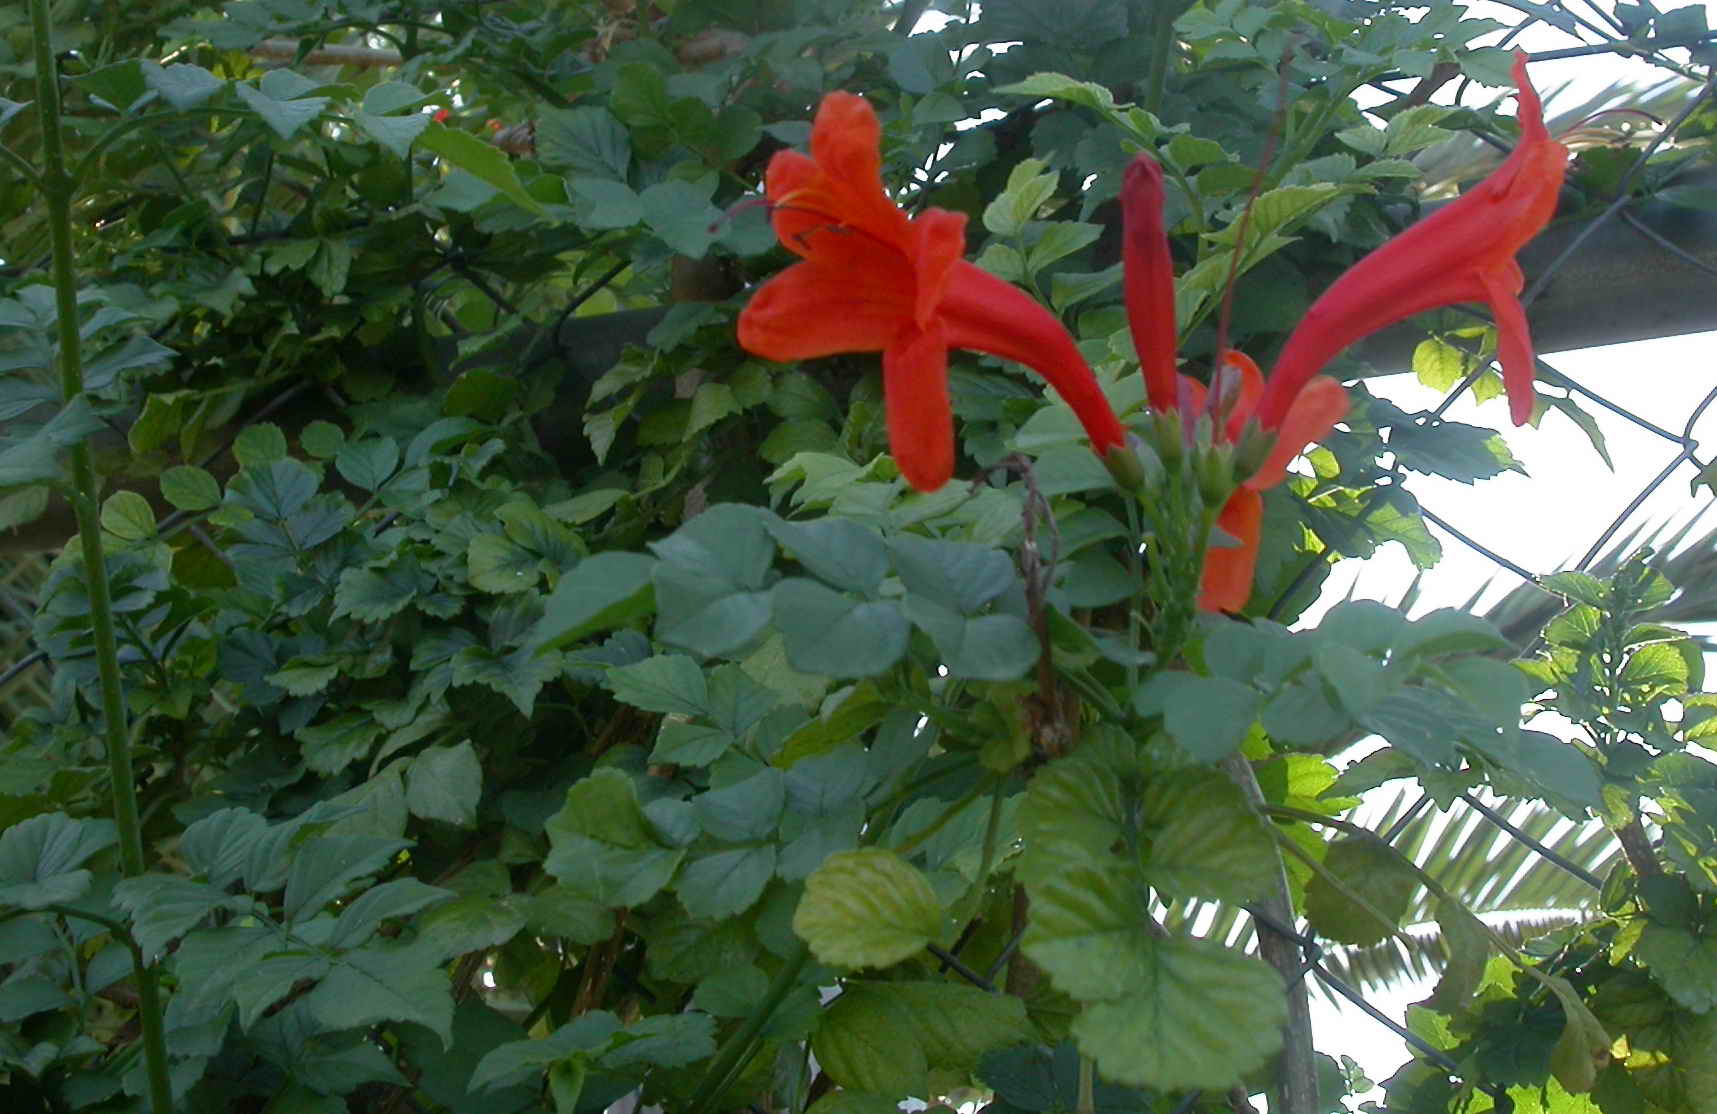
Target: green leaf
x=984, y=647
x=497, y=564
x=481, y=160
x=602, y=846
x=665, y=683
x=189, y=488
x=34, y=458
x=1205, y=841
x=1374, y=875
x=681, y=214
x=509, y=1063
x=1454, y=451
x=1448, y=630
x=866, y=908
x=834, y=635
x=1683, y=964
x=1029, y=187
x=1208, y=716
x=40, y=857
x=745, y=810
x=558, y=911
x=961, y=576
x=690, y=744
x=1438, y=364
x=601, y=592
x=163, y=908
x=445, y=783
x=1468, y=948
x=722, y=884
x=218, y=845
x=401, y=897
x=325, y=867
x=866, y=1042
x=1058, y=240
x=666, y=1040
x=1202, y=1017
x=396, y=133
x=955, y=1024
x=1170, y=1013
x=368, y=463
x=284, y=116
x=384, y=982
x=838, y=551
x=180, y=85
x=586, y=141
x=1062, y=88
x=24, y=995
x=375, y=595
x=1560, y=767
x=128, y=517
x=612, y=204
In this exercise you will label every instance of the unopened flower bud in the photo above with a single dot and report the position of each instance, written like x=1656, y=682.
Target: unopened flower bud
x=1252, y=450
x=1216, y=475
x=1123, y=464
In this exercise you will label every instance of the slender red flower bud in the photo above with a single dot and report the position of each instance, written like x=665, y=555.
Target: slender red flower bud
x=1148, y=272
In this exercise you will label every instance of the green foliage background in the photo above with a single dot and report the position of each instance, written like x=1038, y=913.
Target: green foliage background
x=534, y=700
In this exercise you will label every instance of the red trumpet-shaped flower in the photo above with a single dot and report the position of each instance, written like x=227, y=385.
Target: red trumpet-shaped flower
x=872, y=279
x=1464, y=252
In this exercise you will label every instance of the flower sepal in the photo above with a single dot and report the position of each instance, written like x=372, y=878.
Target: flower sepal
x=1135, y=466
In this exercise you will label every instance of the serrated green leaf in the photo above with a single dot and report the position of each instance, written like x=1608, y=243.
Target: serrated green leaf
x=1373, y=874
x=481, y=160
x=866, y=908
x=445, y=783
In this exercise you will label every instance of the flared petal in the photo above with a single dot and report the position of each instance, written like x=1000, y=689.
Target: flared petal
x=1442, y=260
x=915, y=398
x=1148, y=272
x=839, y=185
x=1228, y=571
x=816, y=308
x=1244, y=385
x=1513, y=345
x=941, y=242
x=985, y=314
x=1314, y=413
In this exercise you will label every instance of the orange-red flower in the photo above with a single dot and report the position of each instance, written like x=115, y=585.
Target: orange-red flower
x=1464, y=252
x=1312, y=412
x=872, y=279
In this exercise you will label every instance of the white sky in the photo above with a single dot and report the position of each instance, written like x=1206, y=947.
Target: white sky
x=1547, y=519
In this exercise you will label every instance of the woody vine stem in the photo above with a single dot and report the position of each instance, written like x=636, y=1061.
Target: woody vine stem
x=58, y=190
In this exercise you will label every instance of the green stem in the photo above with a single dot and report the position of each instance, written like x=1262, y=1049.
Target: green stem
x=1135, y=606
x=58, y=189
x=730, y=1060
x=1162, y=56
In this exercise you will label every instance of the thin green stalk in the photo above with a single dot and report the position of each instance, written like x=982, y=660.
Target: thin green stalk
x=19, y=165
x=730, y=1060
x=58, y=189
x=1136, y=573
x=1162, y=56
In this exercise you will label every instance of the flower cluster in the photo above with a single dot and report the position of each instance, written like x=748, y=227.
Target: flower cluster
x=873, y=279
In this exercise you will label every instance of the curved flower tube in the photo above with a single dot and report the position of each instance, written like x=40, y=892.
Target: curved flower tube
x=1464, y=252
x=872, y=279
